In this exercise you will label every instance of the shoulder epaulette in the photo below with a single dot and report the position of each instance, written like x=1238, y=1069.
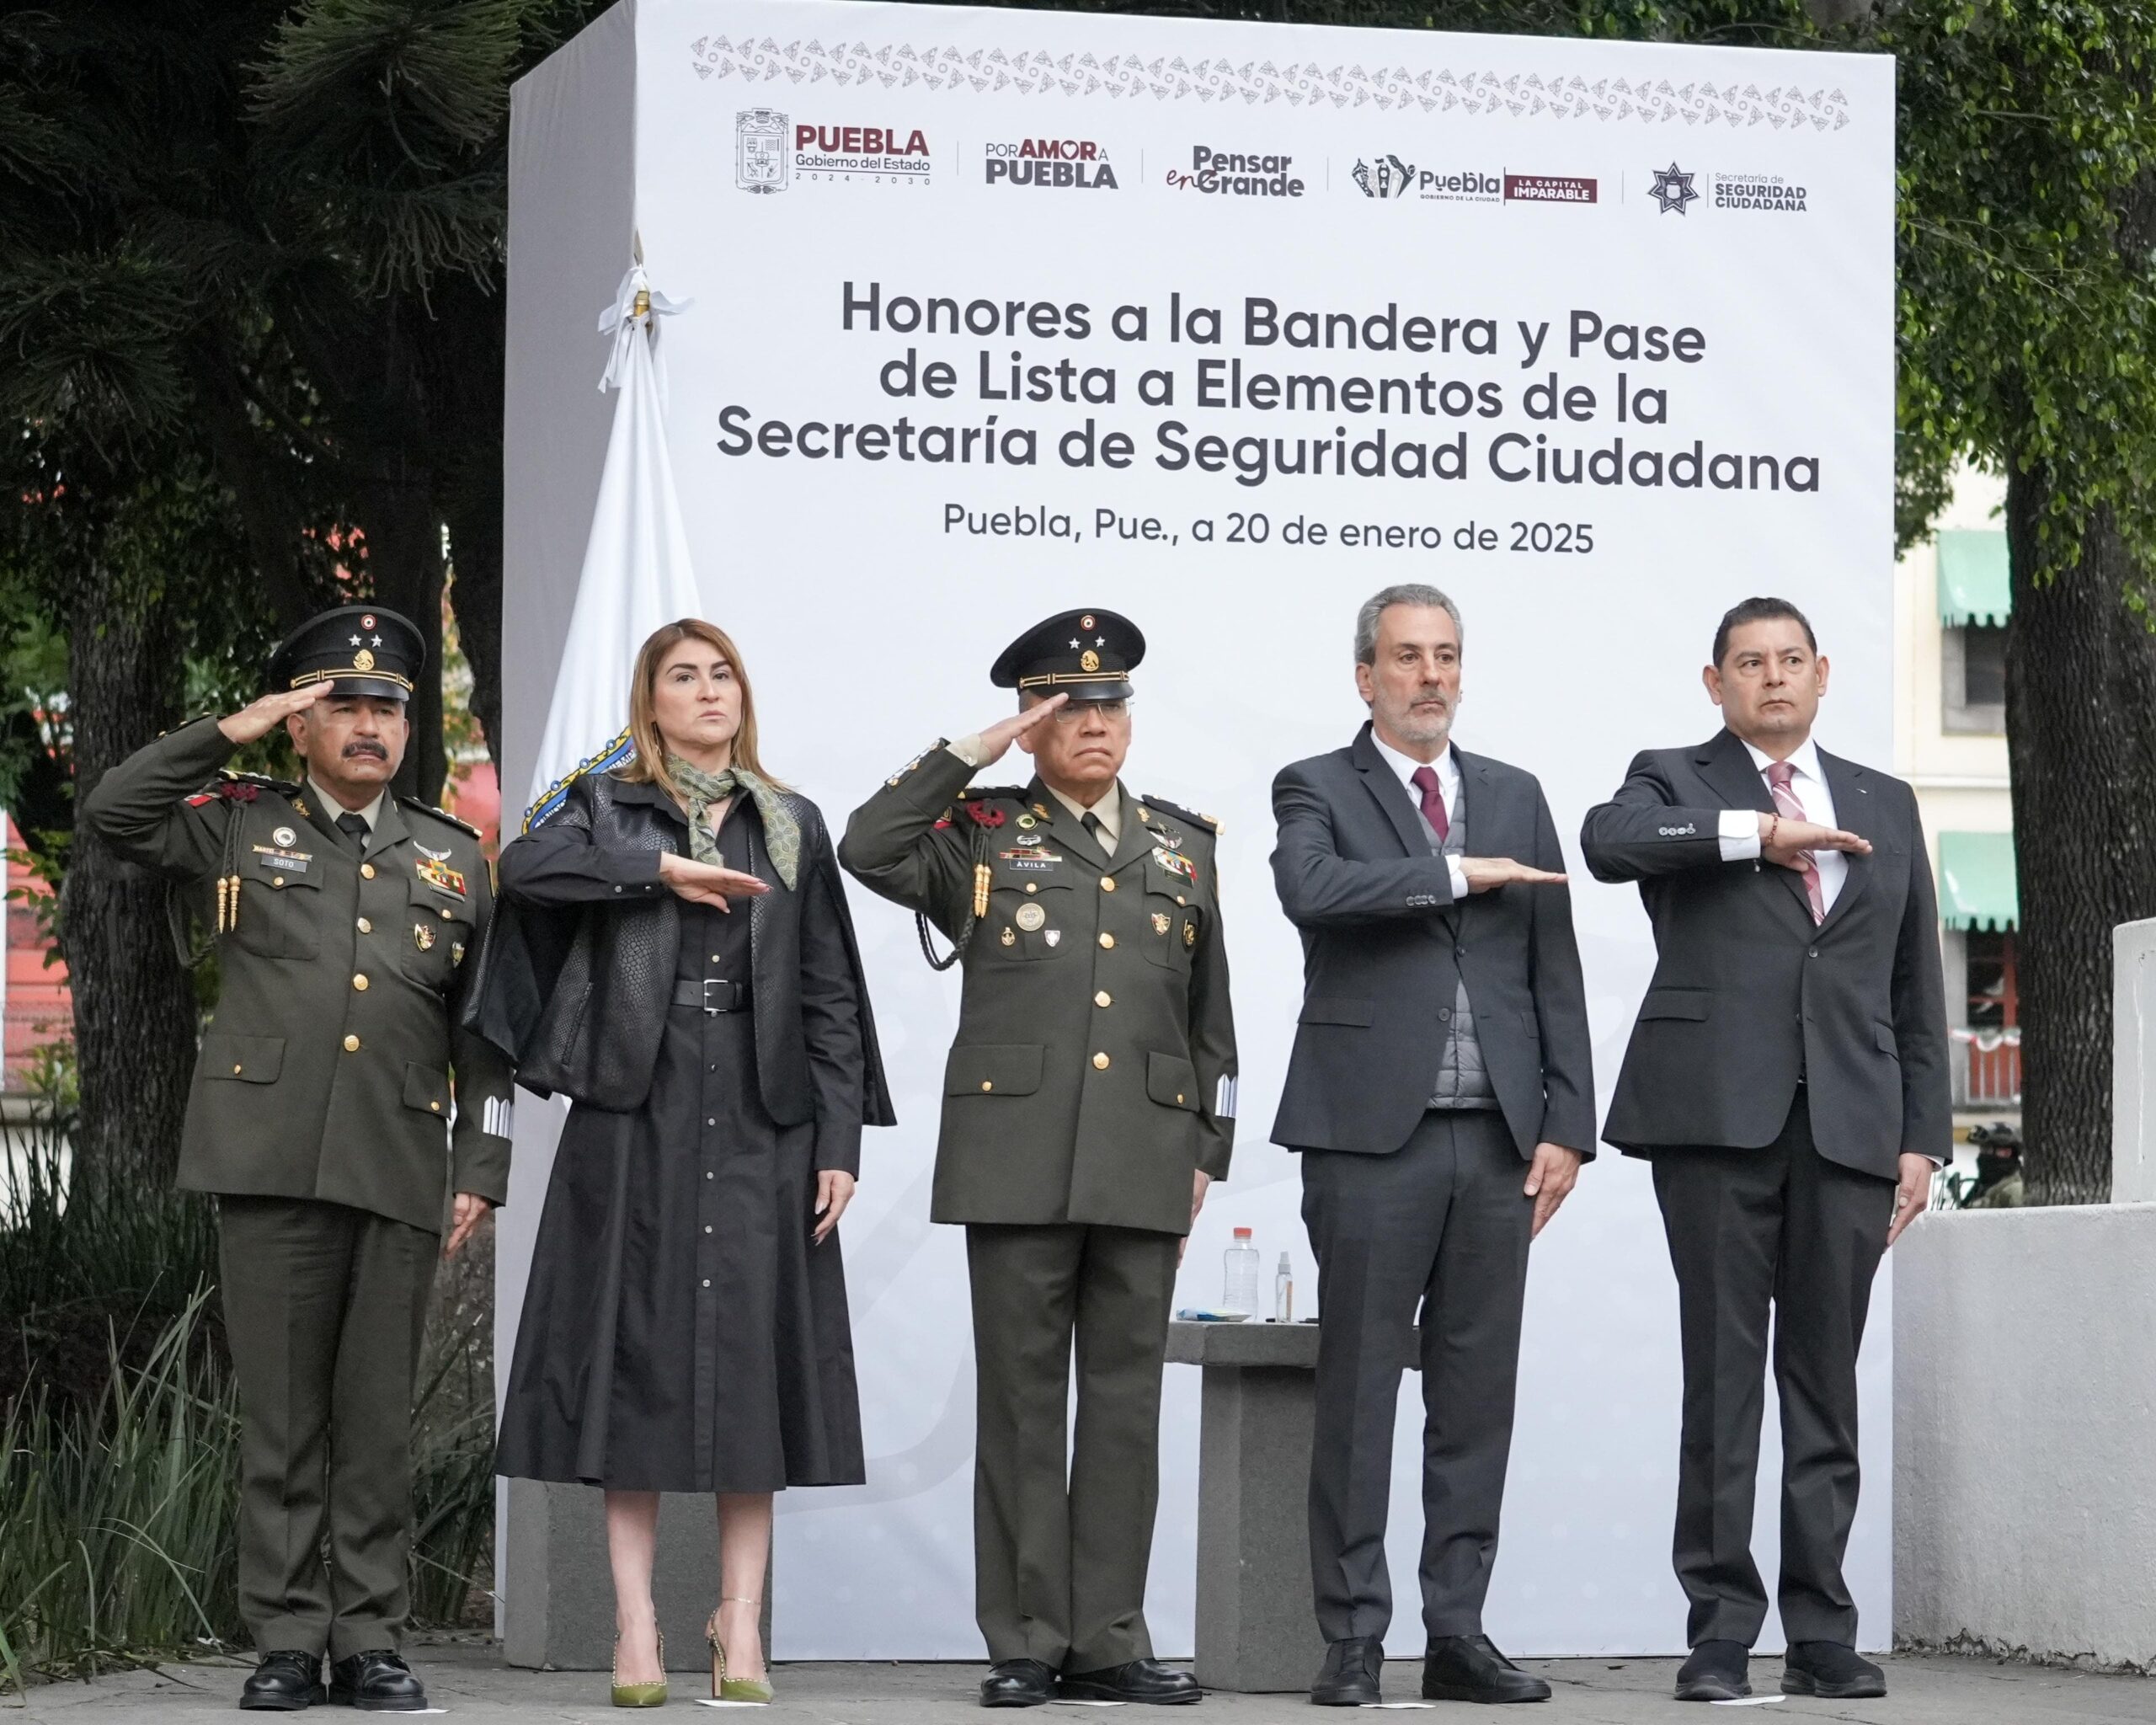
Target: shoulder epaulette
x=443, y=814
x=1207, y=821
x=241, y=787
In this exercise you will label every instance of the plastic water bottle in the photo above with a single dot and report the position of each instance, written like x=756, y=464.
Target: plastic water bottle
x=1241, y=1293
x=1283, y=1293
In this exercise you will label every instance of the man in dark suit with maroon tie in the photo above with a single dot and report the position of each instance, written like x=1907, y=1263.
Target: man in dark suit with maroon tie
x=1441, y=1097
x=1787, y=1078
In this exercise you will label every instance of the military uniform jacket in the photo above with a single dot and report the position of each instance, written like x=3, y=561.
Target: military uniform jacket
x=1094, y=1069
x=326, y=1069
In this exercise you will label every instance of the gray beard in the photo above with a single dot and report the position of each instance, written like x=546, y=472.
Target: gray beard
x=1423, y=731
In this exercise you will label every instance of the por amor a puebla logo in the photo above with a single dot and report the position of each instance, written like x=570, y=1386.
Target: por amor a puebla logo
x=772, y=151
x=1062, y=164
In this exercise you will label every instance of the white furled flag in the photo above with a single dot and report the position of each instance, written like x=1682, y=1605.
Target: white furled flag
x=637, y=575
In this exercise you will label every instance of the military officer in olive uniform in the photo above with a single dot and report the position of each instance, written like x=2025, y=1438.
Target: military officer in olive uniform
x=343, y=917
x=1088, y=1099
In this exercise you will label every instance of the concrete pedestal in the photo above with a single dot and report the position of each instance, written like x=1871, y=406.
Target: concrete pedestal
x=557, y=1591
x=1256, y=1633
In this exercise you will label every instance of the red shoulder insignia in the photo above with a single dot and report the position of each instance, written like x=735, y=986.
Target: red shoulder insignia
x=986, y=814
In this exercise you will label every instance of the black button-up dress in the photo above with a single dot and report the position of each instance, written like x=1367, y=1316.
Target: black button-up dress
x=682, y=1331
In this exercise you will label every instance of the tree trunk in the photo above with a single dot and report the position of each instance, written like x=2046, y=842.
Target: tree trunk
x=2081, y=736
x=135, y=1006
x=404, y=565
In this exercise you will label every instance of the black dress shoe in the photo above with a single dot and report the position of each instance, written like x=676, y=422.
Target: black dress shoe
x=1017, y=1683
x=1715, y=1672
x=1147, y=1682
x=376, y=1682
x=283, y=1683
x=1468, y=1668
x=1829, y=1670
x=1350, y=1675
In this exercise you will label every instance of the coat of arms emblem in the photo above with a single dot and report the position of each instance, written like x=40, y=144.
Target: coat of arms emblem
x=761, y=161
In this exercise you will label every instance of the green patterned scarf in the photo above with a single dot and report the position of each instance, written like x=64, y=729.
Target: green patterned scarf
x=708, y=790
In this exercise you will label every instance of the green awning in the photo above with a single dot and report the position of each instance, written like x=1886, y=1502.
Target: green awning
x=1972, y=584
x=1976, y=884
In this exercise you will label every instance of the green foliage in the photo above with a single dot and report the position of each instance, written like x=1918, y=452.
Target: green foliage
x=2028, y=143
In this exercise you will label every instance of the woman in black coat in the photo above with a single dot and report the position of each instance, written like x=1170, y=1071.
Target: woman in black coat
x=673, y=952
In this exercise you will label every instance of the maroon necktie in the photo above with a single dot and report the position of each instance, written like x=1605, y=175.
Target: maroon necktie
x=1779, y=774
x=1433, y=802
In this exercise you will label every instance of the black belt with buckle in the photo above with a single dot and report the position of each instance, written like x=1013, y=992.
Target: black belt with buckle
x=714, y=994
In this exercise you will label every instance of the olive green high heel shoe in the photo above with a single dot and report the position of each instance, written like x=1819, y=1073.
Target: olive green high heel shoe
x=733, y=1689
x=639, y=1694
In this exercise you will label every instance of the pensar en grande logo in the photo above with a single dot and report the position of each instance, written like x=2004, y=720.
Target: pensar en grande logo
x=1227, y=174
x=1063, y=164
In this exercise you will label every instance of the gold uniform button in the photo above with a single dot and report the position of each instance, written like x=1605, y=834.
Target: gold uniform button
x=1178, y=1099
x=235, y=1069
x=445, y=913
x=366, y=871
x=1100, y=1063
x=366, y=927
x=352, y=1045
x=1107, y=883
x=988, y=1084
x=1107, y=939
x=360, y=982
x=1032, y=886
x=1104, y=999
x=277, y=882
x=436, y=1106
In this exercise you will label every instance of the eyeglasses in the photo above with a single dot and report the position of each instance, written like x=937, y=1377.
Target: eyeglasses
x=1114, y=711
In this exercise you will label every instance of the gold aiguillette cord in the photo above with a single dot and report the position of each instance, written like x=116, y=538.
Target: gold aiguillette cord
x=981, y=879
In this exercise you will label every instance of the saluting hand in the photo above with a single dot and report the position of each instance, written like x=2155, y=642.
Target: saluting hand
x=996, y=740
x=1484, y=873
x=706, y=882
x=257, y=718
x=464, y=1219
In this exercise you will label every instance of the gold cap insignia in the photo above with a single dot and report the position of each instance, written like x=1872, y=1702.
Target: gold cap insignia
x=363, y=660
x=1088, y=660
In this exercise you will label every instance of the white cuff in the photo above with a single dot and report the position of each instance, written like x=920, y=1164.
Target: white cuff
x=967, y=749
x=1740, y=835
x=1459, y=879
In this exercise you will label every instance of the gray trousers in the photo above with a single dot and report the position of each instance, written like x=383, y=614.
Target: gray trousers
x=1063, y=1516
x=1441, y=1224
x=1750, y=1230
x=324, y=1307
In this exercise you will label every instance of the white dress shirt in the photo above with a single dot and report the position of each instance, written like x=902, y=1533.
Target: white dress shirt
x=331, y=807
x=1740, y=827
x=1406, y=766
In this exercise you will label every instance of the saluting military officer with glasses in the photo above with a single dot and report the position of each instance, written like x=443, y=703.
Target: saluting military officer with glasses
x=342, y=915
x=1088, y=1098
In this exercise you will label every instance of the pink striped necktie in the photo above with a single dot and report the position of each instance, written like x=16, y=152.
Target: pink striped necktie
x=1433, y=802
x=1779, y=774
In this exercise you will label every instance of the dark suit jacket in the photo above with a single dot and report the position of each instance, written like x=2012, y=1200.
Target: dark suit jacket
x=577, y=976
x=1748, y=993
x=1385, y=949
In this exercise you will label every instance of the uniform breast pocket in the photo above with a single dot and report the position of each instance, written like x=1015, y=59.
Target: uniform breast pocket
x=437, y=938
x=1173, y=927
x=1029, y=919
x=279, y=916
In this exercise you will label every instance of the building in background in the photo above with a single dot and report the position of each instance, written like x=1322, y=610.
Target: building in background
x=1951, y=602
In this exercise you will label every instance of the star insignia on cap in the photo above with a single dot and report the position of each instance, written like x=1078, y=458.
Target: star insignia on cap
x=376, y=642
x=355, y=640
x=1074, y=641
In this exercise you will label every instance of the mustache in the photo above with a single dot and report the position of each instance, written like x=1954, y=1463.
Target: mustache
x=365, y=746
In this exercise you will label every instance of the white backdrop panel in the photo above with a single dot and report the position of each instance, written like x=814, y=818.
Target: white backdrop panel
x=868, y=618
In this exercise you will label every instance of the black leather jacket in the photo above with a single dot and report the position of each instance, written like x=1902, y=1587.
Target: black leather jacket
x=577, y=974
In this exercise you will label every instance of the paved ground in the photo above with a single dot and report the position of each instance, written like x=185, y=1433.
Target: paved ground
x=468, y=1680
